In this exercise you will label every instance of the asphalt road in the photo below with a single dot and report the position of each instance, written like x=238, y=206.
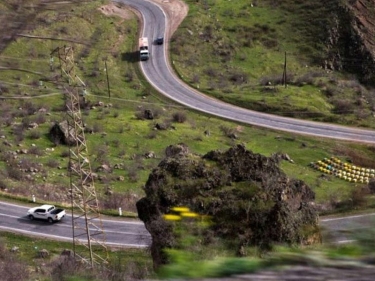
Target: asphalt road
x=119, y=233
x=126, y=233
x=347, y=229
x=159, y=73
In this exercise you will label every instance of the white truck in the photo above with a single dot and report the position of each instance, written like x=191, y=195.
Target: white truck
x=143, y=48
x=46, y=212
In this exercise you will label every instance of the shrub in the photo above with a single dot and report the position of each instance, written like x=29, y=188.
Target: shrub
x=371, y=186
x=40, y=119
x=36, y=151
x=34, y=135
x=65, y=153
x=307, y=78
x=331, y=91
x=3, y=184
x=14, y=173
x=271, y=80
x=29, y=107
x=179, y=117
x=228, y=132
x=97, y=128
x=124, y=200
x=18, y=132
x=342, y=106
x=211, y=72
x=52, y=163
x=238, y=77
x=359, y=197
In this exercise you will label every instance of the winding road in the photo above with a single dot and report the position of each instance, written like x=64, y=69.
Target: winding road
x=118, y=232
x=160, y=75
x=122, y=233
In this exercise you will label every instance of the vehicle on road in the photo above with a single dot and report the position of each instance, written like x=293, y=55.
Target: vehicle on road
x=159, y=40
x=46, y=212
x=143, y=48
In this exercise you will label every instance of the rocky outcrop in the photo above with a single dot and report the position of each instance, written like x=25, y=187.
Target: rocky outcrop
x=248, y=198
x=61, y=133
x=351, y=40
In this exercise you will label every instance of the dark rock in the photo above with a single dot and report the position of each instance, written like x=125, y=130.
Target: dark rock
x=61, y=133
x=249, y=199
x=161, y=127
x=176, y=150
x=67, y=253
x=148, y=114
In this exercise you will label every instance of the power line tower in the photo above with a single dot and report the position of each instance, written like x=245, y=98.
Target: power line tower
x=86, y=222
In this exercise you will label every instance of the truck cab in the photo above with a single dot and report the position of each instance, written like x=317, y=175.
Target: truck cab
x=143, y=49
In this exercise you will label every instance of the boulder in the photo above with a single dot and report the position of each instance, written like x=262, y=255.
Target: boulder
x=250, y=201
x=62, y=133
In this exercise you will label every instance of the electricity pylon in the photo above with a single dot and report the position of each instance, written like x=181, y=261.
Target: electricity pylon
x=86, y=222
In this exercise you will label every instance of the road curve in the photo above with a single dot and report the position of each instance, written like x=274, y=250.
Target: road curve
x=122, y=233
x=118, y=233
x=160, y=75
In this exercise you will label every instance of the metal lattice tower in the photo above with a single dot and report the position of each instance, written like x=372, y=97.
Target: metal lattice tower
x=87, y=225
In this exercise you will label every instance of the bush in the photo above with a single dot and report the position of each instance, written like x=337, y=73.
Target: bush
x=271, y=80
x=179, y=117
x=371, y=186
x=239, y=77
x=34, y=135
x=124, y=200
x=36, y=151
x=342, y=106
x=52, y=163
x=14, y=173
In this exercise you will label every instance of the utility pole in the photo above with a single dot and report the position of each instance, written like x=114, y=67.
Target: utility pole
x=108, y=88
x=284, y=80
x=86, y=222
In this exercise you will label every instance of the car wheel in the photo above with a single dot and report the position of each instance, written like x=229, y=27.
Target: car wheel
x=31, y=217
x=50, y=220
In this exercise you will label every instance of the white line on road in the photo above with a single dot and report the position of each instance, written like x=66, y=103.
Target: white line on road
x=62, y=238
x=349, y=217
x=69, y=226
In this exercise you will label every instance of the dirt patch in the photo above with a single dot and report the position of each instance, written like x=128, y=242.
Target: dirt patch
x=175, y=10
x=112, y=10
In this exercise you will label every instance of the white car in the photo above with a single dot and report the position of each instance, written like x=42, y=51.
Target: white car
x=46, y=212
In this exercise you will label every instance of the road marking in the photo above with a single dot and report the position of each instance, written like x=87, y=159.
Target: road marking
x=345, y=241
x=107, y=220
x=69, y=226
x=10, y=204
x=10, y=216
x=349, y=217
x=68, y=239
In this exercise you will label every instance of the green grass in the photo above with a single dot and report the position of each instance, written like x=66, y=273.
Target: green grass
x=123, y=139
x=245, y=38
x=241, y=54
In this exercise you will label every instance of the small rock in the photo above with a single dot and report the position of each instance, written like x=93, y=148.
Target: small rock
x=15, y=249
x=43, y=253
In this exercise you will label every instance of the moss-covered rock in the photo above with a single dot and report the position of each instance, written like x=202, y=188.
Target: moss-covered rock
x=249, y=199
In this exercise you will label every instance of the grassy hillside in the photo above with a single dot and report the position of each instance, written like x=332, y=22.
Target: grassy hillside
x=244, y=49
x=32, y=100
x=250, y=43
